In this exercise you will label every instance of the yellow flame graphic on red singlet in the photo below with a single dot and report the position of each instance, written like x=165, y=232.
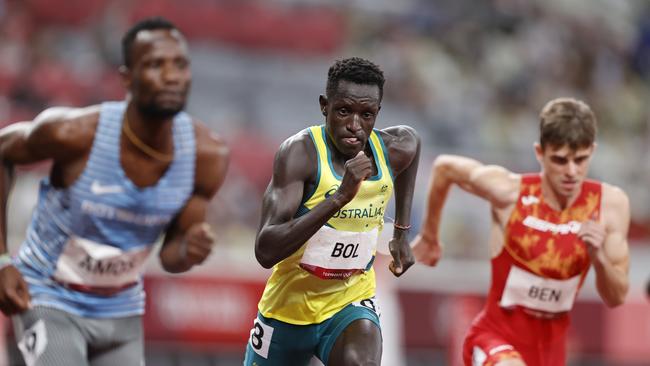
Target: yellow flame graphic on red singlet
x=555, y=255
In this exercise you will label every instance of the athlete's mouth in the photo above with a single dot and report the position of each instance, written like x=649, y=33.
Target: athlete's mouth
x=569, y=183
x=170, y=94
x=352, y=140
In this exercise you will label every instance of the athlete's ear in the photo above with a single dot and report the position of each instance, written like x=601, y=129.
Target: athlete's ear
x=322, y=100
x=125, y=74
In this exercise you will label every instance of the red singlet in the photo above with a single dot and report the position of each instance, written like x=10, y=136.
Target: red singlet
x=535, y=279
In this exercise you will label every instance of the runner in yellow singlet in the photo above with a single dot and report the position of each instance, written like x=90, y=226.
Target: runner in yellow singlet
x=321, y=218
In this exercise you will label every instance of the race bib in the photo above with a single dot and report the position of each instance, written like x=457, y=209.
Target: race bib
x=87, y=263
x=33, y=342
x=370, y=303
x=260, y=338
x=538, y=293
x=335, y=254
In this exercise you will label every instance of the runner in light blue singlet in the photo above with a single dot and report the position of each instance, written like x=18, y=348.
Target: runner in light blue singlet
x=123, y=175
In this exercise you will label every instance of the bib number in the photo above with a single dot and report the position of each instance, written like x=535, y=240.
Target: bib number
x=538, y=293
x=260, y=338
x=335, y=254
x=87, y=263
x=370, y=303
x=33, y=342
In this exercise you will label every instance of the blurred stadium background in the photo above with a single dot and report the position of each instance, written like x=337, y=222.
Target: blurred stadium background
x=469, y=75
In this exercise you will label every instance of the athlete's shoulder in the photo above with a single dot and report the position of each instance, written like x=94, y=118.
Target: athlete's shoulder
x=500, y=186
x=212, y=157
x=300, y=138
x=209, y=144
x=498, y=174
x=400, y=134
x=70, y=129
x=297, y=155
x=615, y=209
x=614, y=198
x=401, y=139
x=298, y=143
x=403, y=145
x=63, y=114
x=73, y=121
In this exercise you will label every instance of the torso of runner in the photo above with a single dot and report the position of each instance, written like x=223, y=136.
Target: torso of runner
x=86, y=244
x=334, y=267
x=543, y=262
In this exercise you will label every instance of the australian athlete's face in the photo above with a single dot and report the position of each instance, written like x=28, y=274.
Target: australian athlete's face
x=350, y=116
x=564, y=168
x=159, y=77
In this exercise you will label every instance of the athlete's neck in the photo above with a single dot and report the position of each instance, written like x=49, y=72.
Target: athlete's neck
x=554, y=199
x=154, y=132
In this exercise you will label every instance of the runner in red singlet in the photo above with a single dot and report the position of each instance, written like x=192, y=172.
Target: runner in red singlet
x=548, y=228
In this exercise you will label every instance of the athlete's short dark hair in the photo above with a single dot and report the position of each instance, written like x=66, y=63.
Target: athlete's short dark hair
x=567, y=122
x=153, y=23
x=356, y=70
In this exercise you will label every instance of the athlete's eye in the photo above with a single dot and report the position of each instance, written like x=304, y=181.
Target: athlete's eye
x=182, y=63
x=559, y=160
x=155, y=63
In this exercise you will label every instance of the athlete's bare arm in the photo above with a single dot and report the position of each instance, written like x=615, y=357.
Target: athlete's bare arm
x=189, y=239
x=493, y=183
x=61, y=134
x=607, y=245
x=403, y=144
x=280, y=234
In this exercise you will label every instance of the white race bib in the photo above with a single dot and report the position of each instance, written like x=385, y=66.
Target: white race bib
x=336, y=254
x=260, y=338
x=33, y=342
x=538, y=293
x=87, y=263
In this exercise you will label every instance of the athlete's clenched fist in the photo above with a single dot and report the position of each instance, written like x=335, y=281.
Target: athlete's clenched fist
x=198, y=242
x=593, y=234
x=357, y=169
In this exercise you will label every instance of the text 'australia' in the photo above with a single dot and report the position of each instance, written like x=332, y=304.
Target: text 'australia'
x=359, y=213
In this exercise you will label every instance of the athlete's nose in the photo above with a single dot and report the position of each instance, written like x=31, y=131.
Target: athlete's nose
x=355, y=123
x=171, y=74
x=571, y=169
